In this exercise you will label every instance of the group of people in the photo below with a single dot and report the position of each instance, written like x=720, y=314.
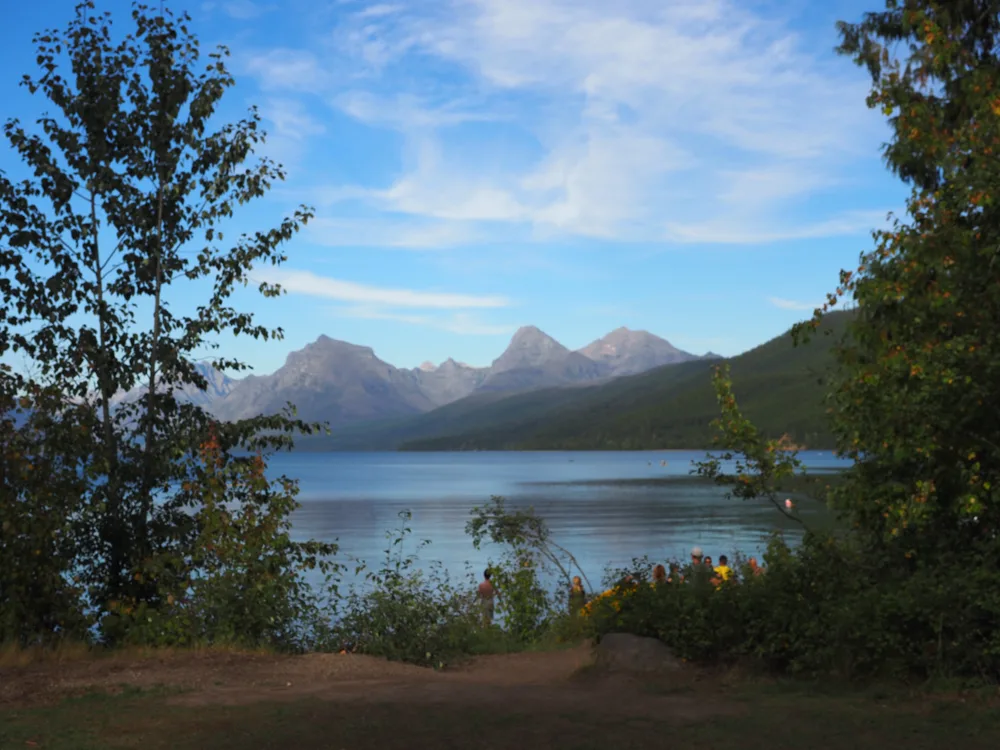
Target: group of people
x=702, y=565
x=701, y=568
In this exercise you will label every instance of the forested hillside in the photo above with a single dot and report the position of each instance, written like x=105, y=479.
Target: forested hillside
x=778, y=384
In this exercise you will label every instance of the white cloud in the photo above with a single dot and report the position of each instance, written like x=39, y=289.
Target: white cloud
x=308, y=283
x=289, y=127
x=290, y=118
x=287, y=70
x=771, y=183
x=698, y=115
x=405, y=112
x=377, y=11
x=748, y=232
x=459, y=322
x=788, y=304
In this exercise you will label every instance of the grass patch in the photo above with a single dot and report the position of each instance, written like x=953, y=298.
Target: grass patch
x=81, y=722
x=781, y=716
x=17, y=657
x=14, y=656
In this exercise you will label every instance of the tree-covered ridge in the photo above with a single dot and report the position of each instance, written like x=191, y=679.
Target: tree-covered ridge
x=780, y=385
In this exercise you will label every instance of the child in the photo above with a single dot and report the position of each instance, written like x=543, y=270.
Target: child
x=577, y=596
x=487, y=594
x=723, y=571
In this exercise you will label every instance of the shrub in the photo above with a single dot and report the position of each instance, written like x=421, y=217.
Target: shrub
x=401, y=613
x=526, y=608
x=823, y=609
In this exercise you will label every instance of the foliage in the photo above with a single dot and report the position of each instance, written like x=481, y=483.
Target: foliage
x=404, y=614
x=241, y=581
x=127, y=190
x=909, y=592
x=39, y=516
x=816, y=611
x=401, y=612
x=522, y=529
x=760, y=465
x=523, y=603
x=914, y=400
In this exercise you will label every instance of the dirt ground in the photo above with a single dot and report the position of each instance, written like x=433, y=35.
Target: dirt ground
x=537, y=680
x=527, y=700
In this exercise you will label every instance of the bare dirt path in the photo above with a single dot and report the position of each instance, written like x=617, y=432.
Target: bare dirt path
x=555, y=680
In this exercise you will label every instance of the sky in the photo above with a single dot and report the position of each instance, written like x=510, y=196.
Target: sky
x=701, y=169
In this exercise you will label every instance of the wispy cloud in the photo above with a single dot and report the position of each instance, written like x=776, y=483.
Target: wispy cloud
x=379, y=10
x=287, y=70
x=699, y=115
x=753, y=232
x=290, y=118
x=788, y=304
x=289, y=125
x=406, y=112
x=313, y=285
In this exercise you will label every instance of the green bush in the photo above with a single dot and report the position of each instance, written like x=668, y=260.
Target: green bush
x=404, y=614
x=41, y=506
x=824, y=609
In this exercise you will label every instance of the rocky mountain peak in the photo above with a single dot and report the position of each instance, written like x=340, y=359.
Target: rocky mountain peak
x=529, y=347
x=628, y=352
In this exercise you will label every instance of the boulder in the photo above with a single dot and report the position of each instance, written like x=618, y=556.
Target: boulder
x=622, y=652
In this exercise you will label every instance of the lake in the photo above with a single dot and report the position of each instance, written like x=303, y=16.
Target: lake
x=604, y=507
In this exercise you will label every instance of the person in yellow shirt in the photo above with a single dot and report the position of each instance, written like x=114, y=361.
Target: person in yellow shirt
x=722, y=571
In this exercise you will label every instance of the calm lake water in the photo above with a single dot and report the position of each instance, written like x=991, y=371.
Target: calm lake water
x=606, y=508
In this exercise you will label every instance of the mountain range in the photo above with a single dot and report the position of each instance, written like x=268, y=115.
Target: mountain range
x=347, y=384
x=219, y=386
x=780, y=387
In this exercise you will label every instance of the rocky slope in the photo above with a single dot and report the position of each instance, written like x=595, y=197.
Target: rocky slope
x=627, y=352
x=329, y=380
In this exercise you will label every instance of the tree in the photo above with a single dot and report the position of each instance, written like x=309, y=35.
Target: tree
x=130, y=185
x=529, y=552
x=916, y=401
x=759, y=465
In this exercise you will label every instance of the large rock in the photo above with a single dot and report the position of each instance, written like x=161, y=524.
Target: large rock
x=621, y=652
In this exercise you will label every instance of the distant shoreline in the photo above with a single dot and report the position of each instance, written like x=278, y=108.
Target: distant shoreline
x=799, y=483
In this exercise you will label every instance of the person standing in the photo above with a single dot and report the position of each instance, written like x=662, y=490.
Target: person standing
x=487, y=596
x=659, y=575
x=722, y=570
x=675, y=574
x=699, y=573
x=577, y=596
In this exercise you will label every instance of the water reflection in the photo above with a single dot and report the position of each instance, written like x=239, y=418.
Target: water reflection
x=606, y=508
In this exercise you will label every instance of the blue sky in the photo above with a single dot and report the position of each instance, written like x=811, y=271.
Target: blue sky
x=701, y=169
